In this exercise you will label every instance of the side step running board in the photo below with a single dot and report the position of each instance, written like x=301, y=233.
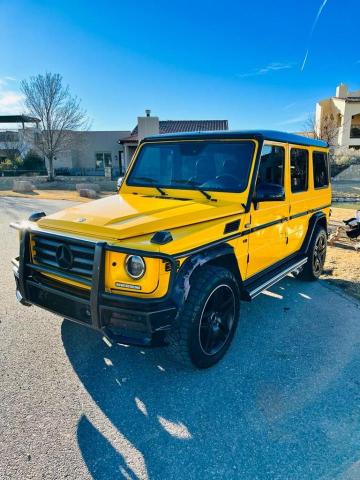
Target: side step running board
x=253, y=289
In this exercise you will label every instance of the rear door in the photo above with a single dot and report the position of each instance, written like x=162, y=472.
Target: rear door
x=298, y=188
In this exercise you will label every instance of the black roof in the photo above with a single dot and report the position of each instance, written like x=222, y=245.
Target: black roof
x=257, y=134
x=18, y=119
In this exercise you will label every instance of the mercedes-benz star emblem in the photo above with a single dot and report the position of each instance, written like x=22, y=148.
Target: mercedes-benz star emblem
x=64, y=256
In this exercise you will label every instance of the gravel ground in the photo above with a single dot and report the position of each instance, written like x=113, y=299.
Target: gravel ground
x=283, y=404
x=346, y=187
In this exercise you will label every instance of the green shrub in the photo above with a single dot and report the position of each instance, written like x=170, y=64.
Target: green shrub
x=33, y=161
x=6, y=164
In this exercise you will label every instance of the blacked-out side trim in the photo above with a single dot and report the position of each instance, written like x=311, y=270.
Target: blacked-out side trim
x=306, y=212
x=246, y=232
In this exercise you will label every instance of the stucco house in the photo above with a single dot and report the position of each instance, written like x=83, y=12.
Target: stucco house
x=89, y=152
x=340, y=115
x=149, y=125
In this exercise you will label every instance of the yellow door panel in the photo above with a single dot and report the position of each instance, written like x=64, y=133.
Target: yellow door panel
x=268, y=222
x=268, y=240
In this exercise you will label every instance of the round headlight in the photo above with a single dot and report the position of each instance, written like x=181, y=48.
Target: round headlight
x=135, y=266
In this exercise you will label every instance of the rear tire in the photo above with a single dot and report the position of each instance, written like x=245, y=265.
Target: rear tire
x=208, y=318
x=316, y=256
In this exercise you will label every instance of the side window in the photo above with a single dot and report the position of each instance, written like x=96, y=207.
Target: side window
x=321, y=169
x=299, y=164
x=102, y=159
x=272, y=164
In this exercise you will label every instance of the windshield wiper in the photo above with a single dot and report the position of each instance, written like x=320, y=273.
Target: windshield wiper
x=195, y=184
x=152, y=181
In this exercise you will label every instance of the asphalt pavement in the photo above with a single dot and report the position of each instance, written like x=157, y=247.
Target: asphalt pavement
x=283, y=404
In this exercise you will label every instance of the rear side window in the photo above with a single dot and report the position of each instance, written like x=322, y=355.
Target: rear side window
x=299, y=161
x=321, y=169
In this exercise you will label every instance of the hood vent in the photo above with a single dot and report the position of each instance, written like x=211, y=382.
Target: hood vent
x=162, y=237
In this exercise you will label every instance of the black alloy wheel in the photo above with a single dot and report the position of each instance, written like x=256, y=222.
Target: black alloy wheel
x=313, y=268
x=208, y=319
x=319, y=254
x=217, y=319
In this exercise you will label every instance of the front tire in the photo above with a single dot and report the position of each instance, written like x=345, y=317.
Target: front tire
x=208, y=318
x=316, y=256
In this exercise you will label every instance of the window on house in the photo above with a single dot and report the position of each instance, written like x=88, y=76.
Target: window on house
x=102, y=159
x=272, y=164
x=299, y=161
x=321, y=169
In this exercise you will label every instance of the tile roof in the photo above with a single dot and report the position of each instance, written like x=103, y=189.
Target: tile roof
x=178, y=126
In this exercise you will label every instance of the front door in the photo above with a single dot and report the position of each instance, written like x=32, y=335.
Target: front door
x=268, y=221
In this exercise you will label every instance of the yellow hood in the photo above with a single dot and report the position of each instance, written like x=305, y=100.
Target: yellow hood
x=124, y=216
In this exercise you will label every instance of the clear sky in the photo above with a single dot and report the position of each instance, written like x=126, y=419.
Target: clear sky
x=259, y=64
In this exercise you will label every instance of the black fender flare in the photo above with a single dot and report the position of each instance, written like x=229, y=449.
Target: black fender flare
x=182, y=282
x=315, y=220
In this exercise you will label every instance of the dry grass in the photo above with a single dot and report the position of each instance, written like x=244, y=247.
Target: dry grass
x=342, y=267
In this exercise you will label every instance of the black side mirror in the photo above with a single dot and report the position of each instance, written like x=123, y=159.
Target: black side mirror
x=269, y=192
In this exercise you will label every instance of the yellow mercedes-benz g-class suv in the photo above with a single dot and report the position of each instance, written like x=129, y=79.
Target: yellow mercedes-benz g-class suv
x=201, y=221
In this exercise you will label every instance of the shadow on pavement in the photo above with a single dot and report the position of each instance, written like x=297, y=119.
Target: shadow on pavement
x=350, y=287
x=284, y=402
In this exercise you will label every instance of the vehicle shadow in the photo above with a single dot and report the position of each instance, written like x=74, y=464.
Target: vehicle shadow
x=283, y=403
x=348, y=286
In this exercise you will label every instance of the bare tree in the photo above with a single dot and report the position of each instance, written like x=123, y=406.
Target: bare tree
x=59, y=113
x=327, y=130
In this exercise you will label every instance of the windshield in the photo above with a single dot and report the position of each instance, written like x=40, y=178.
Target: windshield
x=208, y=165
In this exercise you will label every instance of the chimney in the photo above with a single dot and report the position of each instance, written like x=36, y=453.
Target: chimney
x=148, y=125
x=342, y=91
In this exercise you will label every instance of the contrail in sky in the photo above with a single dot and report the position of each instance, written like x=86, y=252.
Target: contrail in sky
x=322, y=6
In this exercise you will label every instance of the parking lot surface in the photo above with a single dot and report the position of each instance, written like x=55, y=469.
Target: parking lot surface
x=283, y=404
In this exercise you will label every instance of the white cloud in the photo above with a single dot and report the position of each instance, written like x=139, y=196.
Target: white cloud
x=319, y=12
x=11, y=101
x=298, y=119
x=289, y=106
x=271, y=67
x=5, y=80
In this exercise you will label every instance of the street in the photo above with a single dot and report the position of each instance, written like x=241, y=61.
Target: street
x=283, y=404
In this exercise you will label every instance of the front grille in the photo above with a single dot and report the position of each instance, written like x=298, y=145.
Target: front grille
x=46, y=248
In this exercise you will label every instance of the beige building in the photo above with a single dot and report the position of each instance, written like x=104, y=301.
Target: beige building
x=86, y=153
x=91, y=152
x=338, y=118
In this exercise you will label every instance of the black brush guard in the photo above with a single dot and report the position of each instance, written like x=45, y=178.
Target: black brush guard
x=122, y=318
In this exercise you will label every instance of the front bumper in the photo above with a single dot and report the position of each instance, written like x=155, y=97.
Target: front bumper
x=123, y=319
